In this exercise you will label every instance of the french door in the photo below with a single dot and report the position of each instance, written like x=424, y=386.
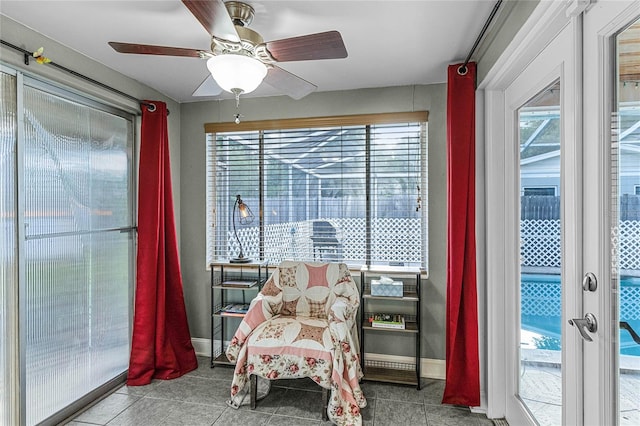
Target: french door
x=611, y=247
x=543, y=197
x=563, y=162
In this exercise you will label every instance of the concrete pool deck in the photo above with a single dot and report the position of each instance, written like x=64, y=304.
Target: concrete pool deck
x=541, y=386
x=550, y=358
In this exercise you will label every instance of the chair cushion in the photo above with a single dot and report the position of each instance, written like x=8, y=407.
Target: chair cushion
x=291, y=347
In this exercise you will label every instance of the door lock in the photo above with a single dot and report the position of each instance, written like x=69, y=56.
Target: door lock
x=588, y=323
x=589, y=282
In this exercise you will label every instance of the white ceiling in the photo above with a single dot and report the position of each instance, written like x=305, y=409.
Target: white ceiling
x=389, y=43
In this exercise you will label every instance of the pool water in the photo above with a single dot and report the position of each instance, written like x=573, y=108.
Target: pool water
x=541, y=312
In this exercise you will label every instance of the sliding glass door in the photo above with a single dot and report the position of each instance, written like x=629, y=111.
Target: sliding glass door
x=67, y=209
x=8, y=245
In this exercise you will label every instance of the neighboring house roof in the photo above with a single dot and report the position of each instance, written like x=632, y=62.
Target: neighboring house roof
x=540, y=157
x=548, y=164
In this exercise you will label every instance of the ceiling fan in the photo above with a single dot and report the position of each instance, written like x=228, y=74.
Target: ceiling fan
x=239, y=59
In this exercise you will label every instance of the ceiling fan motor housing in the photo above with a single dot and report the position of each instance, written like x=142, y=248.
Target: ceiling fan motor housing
x=249, y=39
x=240, y=13
x=248, y=36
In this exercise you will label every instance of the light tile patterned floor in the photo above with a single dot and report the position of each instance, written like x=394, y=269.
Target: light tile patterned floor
x=198, y=398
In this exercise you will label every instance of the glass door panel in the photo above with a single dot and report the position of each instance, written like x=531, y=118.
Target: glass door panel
x=541, y=224
x=78, y=251
x=625, y=157
x=540, y=379
x=8, y=243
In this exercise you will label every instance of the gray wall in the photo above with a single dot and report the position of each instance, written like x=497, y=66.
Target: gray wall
x=510, y=18
x=392, y=99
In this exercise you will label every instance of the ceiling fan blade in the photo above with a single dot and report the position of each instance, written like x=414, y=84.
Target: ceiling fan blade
x=208, y=87
x=289, y=84
x=214, y=17
x=148, y=49
x=327, y=45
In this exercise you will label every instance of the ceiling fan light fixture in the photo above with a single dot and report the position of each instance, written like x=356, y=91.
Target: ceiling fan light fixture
x=237, y=72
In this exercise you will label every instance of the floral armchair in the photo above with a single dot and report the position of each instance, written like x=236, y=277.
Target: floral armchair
x=303, y=324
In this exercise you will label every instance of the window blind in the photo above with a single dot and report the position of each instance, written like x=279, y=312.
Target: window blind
x=353, y=193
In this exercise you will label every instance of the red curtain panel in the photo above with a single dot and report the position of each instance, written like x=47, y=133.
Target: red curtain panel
x=161, y=343
x=462, y=370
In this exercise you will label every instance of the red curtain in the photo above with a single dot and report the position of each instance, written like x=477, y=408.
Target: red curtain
x=463, y=370
x=161, y=344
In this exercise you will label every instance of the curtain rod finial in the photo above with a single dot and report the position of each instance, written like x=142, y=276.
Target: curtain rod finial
x=152, y=107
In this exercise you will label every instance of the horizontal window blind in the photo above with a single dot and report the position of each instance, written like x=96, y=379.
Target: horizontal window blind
x=354, y=193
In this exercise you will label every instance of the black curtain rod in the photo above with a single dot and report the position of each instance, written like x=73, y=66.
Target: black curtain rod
x=27, y=60
x=462, y=69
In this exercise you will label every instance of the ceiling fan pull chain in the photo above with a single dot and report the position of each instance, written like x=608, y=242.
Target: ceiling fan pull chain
x=237, y=115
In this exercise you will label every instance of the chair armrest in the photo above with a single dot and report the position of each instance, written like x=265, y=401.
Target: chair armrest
x=266, y=305
x=343, y=325
x=259, y=311
x=342, y=310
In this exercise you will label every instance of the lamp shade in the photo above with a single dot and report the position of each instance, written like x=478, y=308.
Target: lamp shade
x=237, y=72
x=245, y=215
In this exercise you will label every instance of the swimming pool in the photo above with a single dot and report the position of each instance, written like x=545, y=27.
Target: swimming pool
x=541, y=313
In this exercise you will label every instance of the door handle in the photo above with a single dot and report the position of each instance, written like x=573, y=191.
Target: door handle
x=588, y=323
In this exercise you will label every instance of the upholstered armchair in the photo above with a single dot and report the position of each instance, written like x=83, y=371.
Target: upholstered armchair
x=303, y=324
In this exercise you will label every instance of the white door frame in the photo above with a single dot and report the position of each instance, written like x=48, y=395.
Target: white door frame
x=601, y=23
x=544, y=24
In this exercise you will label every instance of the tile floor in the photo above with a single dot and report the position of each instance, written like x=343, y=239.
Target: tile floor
x=198, y=398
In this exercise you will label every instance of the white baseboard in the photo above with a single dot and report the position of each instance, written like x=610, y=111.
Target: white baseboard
x=433, y=368
x=482, y=409
x=479, y=410
x=429, y=368
x=201, y=346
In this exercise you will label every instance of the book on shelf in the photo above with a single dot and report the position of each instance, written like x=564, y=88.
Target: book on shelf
x=239, y=283
x=235, y=309
x=395, y=321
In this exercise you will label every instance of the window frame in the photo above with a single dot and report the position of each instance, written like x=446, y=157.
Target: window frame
x=211, y=129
